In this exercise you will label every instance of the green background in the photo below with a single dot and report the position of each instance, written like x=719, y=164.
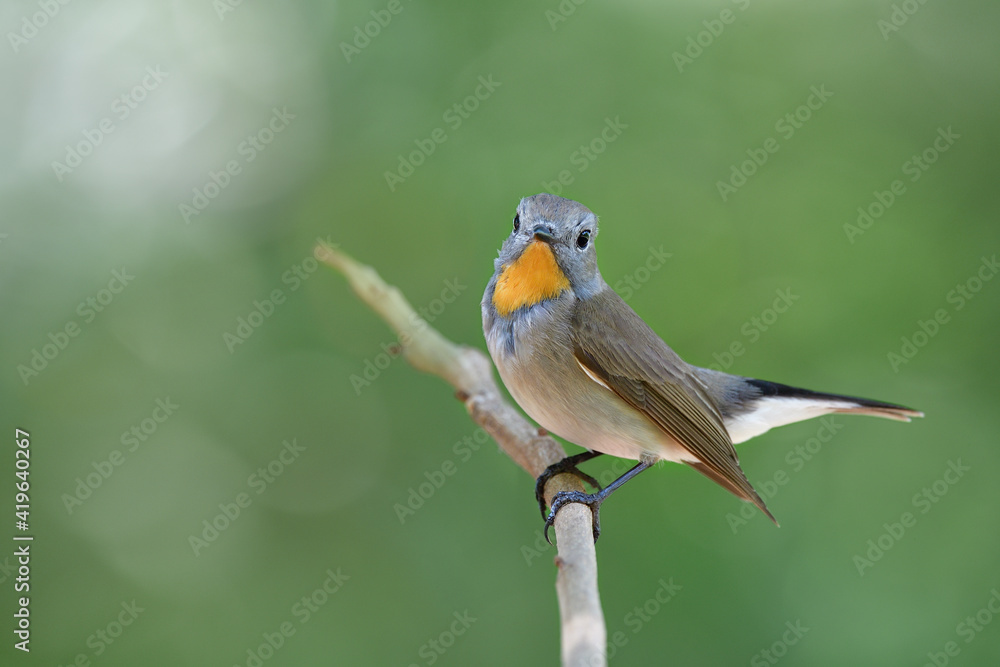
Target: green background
x=471, y=547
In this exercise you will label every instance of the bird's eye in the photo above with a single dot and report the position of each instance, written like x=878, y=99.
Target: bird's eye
x=517, y=221
x=583, y=239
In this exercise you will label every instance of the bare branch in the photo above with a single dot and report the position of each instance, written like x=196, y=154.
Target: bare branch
x=470, y=372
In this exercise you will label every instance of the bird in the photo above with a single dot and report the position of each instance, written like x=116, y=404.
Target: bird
x=587, y=368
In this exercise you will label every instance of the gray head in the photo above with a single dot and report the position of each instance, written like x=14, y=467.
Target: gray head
x=568, y=228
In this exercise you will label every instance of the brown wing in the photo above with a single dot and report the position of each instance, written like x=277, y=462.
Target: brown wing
x=618, y=347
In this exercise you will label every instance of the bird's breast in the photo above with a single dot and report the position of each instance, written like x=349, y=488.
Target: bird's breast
x=545, y=379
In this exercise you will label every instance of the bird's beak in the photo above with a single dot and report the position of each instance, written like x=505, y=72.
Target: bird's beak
x=543, y=233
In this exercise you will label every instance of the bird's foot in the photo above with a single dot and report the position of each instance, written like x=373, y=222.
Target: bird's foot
x=591, y=500
x=567, y=465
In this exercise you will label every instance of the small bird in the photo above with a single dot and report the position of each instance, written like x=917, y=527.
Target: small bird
x=586, y=367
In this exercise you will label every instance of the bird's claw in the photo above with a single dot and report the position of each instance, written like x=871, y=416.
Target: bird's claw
x=591, y=500
x=567, y=465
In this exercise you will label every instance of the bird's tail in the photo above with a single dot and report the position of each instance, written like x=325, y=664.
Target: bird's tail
x=764, y=405
x=837, y=402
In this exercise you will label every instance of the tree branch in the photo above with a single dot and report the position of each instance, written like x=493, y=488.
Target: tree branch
x=470, y=372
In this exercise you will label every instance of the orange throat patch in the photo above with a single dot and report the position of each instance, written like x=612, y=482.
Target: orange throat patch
x=533, y=277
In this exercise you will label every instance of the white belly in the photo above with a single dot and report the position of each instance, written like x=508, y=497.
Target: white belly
x=569, y=403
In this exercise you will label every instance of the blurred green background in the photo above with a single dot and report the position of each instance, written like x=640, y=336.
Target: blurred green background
x=203, y=147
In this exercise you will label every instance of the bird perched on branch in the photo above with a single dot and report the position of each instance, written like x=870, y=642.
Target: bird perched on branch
x=586, y=367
